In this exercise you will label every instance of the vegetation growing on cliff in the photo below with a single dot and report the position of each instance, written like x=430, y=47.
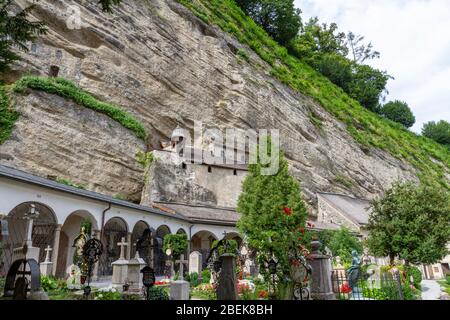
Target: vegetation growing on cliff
x=367, y=128
x=8, y=116
x=69, y=90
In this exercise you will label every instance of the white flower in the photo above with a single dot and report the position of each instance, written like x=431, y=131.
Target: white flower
x=113, y=290
x=100, y=295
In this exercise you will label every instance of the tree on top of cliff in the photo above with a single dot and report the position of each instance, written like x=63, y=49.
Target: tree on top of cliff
x=279, y=18
x=273, y=215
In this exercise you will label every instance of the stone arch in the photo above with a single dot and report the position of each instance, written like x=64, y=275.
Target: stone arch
x=202, y=241
x=160, y=257
x=69, y=231
x=43, y=233
x=114, y=230
x=138, y=231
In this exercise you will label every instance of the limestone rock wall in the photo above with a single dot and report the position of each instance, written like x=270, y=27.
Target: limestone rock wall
x=58, y=139
x=162, y=64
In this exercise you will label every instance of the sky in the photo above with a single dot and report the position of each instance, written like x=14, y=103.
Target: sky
x=413, y=37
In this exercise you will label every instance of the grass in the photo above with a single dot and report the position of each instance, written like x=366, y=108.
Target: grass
x=69, y=90
x=71, y=184
x=367, y=128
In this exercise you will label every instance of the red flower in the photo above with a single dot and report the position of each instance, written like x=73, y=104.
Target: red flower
x=263, y=294
x=288, y=211
x=345, y=288
x=302, y=230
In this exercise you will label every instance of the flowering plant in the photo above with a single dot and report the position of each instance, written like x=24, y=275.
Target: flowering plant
x=345, y=288
x=109, y=293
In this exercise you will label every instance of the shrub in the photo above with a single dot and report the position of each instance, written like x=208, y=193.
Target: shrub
x=447, y=279
x=157, y=293
x=8, y=116
x=49, y=284
x=193, y=279
x=206, y=276
x=178, y=243
x=399, y=112
x=415, y=273
x=109, y=293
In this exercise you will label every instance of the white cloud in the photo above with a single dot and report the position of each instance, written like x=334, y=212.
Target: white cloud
x=414, y=41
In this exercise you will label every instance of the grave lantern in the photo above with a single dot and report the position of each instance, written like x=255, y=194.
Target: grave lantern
x=272, y=266
x=148, y=277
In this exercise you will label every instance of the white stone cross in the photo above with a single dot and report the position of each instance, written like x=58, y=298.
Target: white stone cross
x=47, y=253
x=122, y=244
x=181, y=262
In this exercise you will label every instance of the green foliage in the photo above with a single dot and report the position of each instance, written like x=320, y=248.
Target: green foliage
x=71, y=184
x=279, y=18
x=206, y=276
x=346, y=182
x=178, y=243
x=343, y=242
x=16, y=31
x=273, y=215
x=326, y=49
x=439, y=132
x=87, y=225
x=415, y=273
x=243, y=54
x=204, y=292
x=398, y=111
x=228, y=247
x=193, y=279
x=8, y=116
x=411, y=222
x=368, y=129
x=157, y=293
x=51, y=284
x=447, y=279
x=108, y=294
x=68, y=90
x=120, y=196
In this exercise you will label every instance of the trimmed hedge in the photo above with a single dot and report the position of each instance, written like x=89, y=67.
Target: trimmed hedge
x=66, y=89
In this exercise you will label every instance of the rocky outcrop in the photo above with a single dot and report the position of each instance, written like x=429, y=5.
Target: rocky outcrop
x=57, y=139
x=162, y=64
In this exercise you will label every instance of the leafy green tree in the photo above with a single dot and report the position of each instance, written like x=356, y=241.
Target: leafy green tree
x=411, y=222
x=178, y=243
x=279, y=18
x=343, y=242
x=367, y=86
x=438, y=131
x=273, y=218
x=398, y=111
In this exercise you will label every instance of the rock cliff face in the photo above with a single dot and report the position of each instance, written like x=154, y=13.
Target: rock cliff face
x=163, y=65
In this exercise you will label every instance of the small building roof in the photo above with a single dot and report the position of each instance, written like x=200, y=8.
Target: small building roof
x=202, y=214
x=358, y=210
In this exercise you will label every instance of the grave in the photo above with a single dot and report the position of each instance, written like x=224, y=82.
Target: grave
x=195, y=263
x=46, y=267
x=226, y=290
x=321, y=286
x=134, y=274
x=179, y=290
x=120, y=267
x=74, y=280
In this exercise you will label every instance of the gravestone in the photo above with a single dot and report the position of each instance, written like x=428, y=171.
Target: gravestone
x=226, y=289
x=120, y=267
x=46, y=267
x=179, y=290
x=134, y=275
x=195, y=263
x=74, y=280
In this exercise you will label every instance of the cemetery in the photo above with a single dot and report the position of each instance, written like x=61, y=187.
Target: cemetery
x=269, y=253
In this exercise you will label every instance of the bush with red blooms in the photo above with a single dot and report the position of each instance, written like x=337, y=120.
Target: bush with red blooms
x=345, y=288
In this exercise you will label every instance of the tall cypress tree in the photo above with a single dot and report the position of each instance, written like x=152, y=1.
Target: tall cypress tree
x=273, y=217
